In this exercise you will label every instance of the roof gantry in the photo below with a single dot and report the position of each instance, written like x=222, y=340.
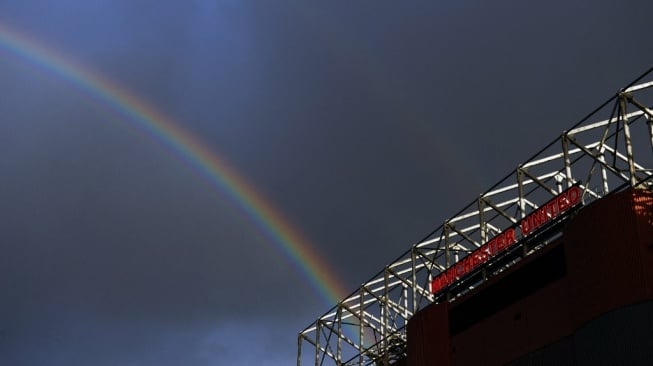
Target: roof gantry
x=608, y=150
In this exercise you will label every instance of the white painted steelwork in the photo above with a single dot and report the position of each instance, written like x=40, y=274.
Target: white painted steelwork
x=598, y=153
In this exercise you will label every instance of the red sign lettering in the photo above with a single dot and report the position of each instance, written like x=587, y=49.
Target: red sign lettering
x=536, y=219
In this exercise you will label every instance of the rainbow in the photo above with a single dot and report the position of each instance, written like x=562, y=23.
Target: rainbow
x=191, y=150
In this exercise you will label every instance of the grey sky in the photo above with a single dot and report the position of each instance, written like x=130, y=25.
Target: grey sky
x=365, y=123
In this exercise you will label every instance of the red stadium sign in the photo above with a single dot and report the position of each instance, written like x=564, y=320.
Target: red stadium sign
x=536, y=219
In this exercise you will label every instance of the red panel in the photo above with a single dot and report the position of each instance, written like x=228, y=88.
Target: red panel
x=515, y=330
x=428, y=337
x=604, y=253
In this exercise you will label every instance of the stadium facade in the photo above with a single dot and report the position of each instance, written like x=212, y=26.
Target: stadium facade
x=584, y=299
x=551, y=265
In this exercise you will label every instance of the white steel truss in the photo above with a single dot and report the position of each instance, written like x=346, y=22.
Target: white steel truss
x=597, y=154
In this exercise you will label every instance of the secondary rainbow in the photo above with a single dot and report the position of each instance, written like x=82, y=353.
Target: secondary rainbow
x=189, y=148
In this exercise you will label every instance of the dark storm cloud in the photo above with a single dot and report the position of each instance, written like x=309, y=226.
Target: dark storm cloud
x=102, y=341
x=366, y=124
x=370, y=99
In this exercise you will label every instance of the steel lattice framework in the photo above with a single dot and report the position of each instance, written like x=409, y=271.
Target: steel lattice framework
x=597, y=154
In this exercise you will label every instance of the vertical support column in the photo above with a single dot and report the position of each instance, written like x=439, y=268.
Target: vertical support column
x=481, y=220
x=522, y=205
x=520, y=188
x=559, y=180
x=405, y=295
x=317, y=342
x=361, y=327
x=565, y=151
x=299, y=349
x=623, y=116
x=604, y=174
x=447, y=251
x=339, y=345
x=413, y=275
x=649, y=122
x=385, y=344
